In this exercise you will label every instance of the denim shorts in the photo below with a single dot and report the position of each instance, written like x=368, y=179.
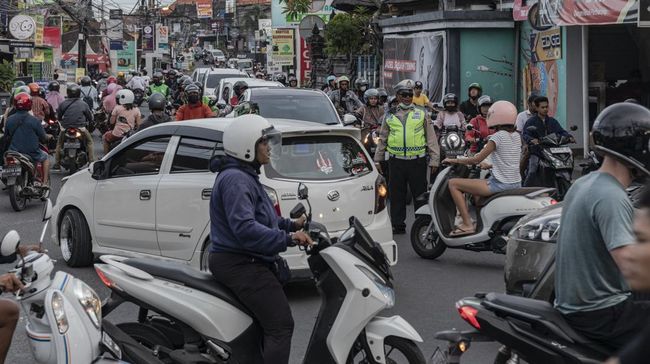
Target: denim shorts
x=39, y=156
x=495, y=186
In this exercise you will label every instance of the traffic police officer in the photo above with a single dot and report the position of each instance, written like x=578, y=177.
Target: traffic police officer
x=407, y=134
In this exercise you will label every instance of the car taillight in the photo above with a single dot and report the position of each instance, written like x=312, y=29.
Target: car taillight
x=468, y=313
x=274, y=199
x=381, y=194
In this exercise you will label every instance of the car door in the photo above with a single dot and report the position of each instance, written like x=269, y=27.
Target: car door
x=125, y=201
x=183, y=198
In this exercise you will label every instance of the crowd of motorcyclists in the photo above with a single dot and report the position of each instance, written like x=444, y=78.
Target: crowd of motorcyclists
x=597, y=257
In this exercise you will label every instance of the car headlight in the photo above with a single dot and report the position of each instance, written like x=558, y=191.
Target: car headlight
x=387, y=292
x=59, y=312
x=544, y=228
x=90, y=302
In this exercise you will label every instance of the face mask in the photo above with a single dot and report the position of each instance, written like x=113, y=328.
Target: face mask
x=193, y=98
x=405, y=106
x=362, y=88
x=158, y=83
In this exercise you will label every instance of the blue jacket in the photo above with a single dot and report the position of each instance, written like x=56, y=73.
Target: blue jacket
x=242, y=217
x=544, y=128
x=25, y=138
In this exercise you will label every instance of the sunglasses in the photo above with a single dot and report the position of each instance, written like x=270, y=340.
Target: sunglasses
x=406, y=94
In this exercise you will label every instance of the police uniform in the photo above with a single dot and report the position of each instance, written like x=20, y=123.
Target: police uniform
x=407, y=135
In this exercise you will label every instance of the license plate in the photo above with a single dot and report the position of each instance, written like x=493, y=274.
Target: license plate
x=560, y=150
x=10, y=171
x=75, y=145
x=111, y=345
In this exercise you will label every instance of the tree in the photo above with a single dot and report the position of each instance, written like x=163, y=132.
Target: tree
x=294, y=8
x=350, y=34
x=7, y=76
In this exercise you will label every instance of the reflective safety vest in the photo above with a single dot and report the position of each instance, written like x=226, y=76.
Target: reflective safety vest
x=162, y=89
x=407, y=139
x=206, y=100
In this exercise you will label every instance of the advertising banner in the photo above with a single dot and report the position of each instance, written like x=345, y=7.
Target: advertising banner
x=546, y=46
x=52, y=37
x=204, y=9
x=305, y=61
x=231, y=6
x=126, y=57
x=283, y=47
x=162, y=36
x=419, y=57
x=38, y=34
x=280, y=19
x=147, y=38
x=576, y=12
x=115, y=29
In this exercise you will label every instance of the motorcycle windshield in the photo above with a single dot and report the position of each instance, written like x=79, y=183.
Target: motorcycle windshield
x=368, y=250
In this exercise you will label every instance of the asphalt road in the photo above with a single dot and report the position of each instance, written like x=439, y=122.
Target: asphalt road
x=426, y=290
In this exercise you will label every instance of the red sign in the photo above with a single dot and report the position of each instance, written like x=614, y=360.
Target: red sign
x=52, y=37
x=519, y=10
x=579, y=12
x=400, y=65
x=305, y=61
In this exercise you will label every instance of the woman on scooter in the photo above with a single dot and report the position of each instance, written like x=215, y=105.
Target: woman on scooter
x=480, y=130
x=247, y=234
x=504, y=146
x=125, y=117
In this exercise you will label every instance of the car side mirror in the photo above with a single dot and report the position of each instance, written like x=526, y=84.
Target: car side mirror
x=573, y=128
x=303, y=191
x=349, y=119
x=97, y=169
x=9, y=243
x=297, y=211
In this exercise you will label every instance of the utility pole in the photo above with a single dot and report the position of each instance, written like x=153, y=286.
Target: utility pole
x=83, y=31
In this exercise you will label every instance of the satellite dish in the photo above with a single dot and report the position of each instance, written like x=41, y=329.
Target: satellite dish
x=307, y=24
x=317, y=5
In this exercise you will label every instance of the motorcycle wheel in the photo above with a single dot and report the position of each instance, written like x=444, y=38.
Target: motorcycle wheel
x=562, y=187
x=397, y=349
x=74, y=239
x=146, y=335
x=424, y=246
x=18, y=202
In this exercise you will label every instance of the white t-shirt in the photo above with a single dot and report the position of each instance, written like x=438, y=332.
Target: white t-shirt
x=522, y=118
x=506, y=157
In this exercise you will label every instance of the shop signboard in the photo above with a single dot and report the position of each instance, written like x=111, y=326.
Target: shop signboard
x=280, y=19
x=38, y=34
x=546, y=45
x=22, y=27
x=162, y=36
x=283, y=47
x=577, y=12
x=147, y=38
x=52, y=37
x=204, y=9
x=305, y=61
x=126, y=56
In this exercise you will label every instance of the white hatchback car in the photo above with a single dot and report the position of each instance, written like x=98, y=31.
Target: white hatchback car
x=150, y=196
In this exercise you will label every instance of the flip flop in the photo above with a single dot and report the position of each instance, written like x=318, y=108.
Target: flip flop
x=460, y=232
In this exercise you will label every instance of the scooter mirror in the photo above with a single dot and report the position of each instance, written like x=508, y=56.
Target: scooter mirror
x=10, y=243
x=573, y=127
x=470, y=127
x=47, y=210
x=297, y=211
x=303, y=191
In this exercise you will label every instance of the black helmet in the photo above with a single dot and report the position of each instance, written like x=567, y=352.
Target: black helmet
x=186, y=82
x=450, y=97
x=104, y=75
x=157, y=75
x=53, y=86
x=74, y=91
x=239, y=87
x=418, y=84
x=281, y=78
x=157, y=102
x=361, y=84
x=622, y=131
x=85, y=81
x=382, y=93
x=192, y=88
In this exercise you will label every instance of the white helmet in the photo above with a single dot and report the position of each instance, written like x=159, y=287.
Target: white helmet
x=124, y=97
x=241, y=136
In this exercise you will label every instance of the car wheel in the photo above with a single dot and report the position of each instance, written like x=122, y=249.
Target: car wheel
x=205, y=257
x=427, y=244
x=75, y=240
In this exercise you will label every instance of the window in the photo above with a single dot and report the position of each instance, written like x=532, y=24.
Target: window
x=306, y=107
x=319, y=158
x=193, y=155
x=140, y=159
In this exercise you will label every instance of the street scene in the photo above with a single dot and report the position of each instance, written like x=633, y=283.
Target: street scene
x=335, y=181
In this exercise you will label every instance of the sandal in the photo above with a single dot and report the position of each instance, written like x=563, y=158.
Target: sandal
x=458, y=232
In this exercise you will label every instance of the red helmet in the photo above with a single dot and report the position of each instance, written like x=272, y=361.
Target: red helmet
x=34, y=88
x=23, y=101
x=111, y=79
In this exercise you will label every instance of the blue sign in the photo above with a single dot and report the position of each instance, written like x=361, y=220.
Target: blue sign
x=117, y=45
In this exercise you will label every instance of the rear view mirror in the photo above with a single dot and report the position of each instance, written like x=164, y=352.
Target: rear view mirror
x=349, y=119
x=10, y=243
x=470, y=127
x=97, y=169
x=303, y=191
x=573, y=127
x=297, y=211
x=47, y=210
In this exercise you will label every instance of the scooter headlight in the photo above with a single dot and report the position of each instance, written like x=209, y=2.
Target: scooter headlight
x=59, y=313
x=375, y=137
x=90, y=302
x=544, y=228
x=387, y=292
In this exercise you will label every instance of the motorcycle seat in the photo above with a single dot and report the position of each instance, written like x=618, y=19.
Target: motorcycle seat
x=188, y=276
x=514, y=192
x=542, y=313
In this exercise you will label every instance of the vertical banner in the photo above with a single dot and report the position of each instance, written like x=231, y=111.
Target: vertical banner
x=231, y=6
x=305, y=61
x=126, y=56
x=52, y=37
x=114, y=25
x=283, y=47
x=38, y=34
x=162, y=36
x=147, y=38
x=419, y=57
x=204, y=9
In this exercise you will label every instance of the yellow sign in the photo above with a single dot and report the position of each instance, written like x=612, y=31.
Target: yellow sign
x=283, y=47
x=79, y=72
x=39, y=56
x=546, y=45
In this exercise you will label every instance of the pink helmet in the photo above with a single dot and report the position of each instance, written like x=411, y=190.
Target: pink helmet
x=501, y=113
x=111, y=88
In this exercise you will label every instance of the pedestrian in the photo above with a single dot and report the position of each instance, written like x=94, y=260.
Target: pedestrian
x=408, y=136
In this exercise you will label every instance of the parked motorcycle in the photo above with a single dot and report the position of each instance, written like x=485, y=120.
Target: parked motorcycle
x=23, y=178
x=74, y=150
x=555, y=163
x=495, y=216
x=202, y=321
x=53, y=128
x=64, y=319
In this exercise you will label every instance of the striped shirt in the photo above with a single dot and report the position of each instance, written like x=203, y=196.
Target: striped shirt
x=506, y=157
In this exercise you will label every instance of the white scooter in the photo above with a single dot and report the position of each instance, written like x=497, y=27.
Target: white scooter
x=201, y=321
x=495, y=216
x=64, y=315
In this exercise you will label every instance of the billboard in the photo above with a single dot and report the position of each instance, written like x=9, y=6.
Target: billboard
x=204, y=9
x=419, y=57
x=577, y=12
x=283, y=47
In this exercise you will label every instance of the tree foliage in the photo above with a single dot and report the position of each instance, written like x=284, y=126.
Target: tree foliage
x=7, y=76
x=294, y=8
x=349, y=33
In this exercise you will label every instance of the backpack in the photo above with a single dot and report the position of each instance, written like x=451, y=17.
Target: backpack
x=88, y=100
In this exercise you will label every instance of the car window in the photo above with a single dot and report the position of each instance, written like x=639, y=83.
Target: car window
x=318, y=158
x=193, y=155
x=214, y=79
x=140, y=159
x=313, y=107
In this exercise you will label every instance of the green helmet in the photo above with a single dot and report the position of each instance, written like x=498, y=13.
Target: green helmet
x=477, y=86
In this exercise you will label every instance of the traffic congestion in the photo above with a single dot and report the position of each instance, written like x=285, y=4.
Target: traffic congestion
x=223, y=214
